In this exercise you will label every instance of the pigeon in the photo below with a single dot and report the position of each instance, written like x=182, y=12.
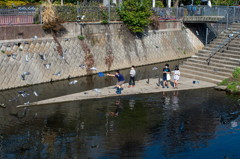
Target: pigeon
x=26, y=103
x=47, y=65
x=95, y=146
x=35, y=115
x=23, y=77
x=82, y=66
x=154, y=68
x=35, y=93
x=23, y=93
x=16, y=115
x=8, y=45
x=26, y=42
x=215, y=69
x=64, y=53
x=41, y=56
x=83, y=17
x=154, y=31
x=26, y=73
x=186, y=31
x=10, y=24
x=51, y=81
x=66, y=40
x=69, y=77
x=181, y=63
x=73, y=82
x=2, y=105
x=97, y=90
x=58, y=74
x=15, y=99
x=8, y=55
x=197, y=33
x=13, y=56
x=24, y=113
x=157, y=47
x=93, y=68
x=35, y=37
x=15, y=44
x=44, y=57
x=27, y=58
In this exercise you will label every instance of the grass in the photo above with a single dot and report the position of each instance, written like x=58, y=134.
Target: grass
x=80, y=37
x=233, y=81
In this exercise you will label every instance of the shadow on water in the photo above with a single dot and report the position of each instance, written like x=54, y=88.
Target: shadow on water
x=59, y=88
x=178, y=124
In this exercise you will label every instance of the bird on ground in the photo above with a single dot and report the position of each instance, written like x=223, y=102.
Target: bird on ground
x=35, y=93
x=35, y=37
x=73, y=82
x=8, y=45
x=66, y=40
x=23, y=77
x=181, y=63
x=47, y=65
x=197, y=33
x=15, y=44
x=69, y=77
x=97, y=90
x=154, y=68
x=157, y=47
x=26, y=103
x=82, y=66
x=23, y=93
x=10, y=24
x=13, y=56
x=41, y=56
x=26, y=73
x=93, y=68
x=154, y=31
x=215, y=69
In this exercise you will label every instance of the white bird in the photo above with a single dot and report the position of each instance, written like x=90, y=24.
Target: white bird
x=197, y=33
x=73, y=82
x=93, y=68
x=154, y=68
x=35, y=93
x=47, y=65
x=27, y=58
x=35, y=37
x=26, y=73
x=97, y=90
x=26, y=103
x=82, y=66
x=44, y=57
x=58, y=74
x=83, y=17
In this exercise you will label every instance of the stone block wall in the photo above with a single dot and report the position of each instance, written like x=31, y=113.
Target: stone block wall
x=155, y=46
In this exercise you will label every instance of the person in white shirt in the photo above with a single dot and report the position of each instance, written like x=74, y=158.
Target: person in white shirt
x=176, y=75
x=132, y=77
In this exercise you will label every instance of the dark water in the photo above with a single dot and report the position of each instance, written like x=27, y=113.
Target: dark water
x=201, y=123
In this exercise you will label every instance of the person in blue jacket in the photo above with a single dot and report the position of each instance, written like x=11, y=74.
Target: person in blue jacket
x=120, y=81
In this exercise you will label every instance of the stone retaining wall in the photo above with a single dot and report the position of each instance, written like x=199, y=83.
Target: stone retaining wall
x=153, y=47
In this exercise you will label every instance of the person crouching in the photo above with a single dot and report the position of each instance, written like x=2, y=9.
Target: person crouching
x=120, y=81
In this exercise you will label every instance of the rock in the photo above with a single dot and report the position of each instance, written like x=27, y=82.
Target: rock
x=221, y=88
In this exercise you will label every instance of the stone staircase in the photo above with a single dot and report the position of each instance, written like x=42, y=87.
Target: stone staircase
x=222, y=63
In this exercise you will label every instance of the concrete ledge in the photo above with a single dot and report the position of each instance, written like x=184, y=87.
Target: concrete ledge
x=140, y=88
x=201, y=19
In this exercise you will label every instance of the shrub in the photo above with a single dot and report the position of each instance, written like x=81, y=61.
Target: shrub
x=236, y=73
x=80, y=37
x=159, y=4
x=3, y=51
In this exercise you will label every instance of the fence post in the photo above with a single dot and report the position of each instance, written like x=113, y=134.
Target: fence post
x=234, y=11
x=227, y=21
x=218, y=11
x=109, y=7
x=206, y=36
x=41, y=12
x=177, y=13
x=77, y=8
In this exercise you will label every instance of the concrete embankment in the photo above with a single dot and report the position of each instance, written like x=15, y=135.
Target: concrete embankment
x=141, y=87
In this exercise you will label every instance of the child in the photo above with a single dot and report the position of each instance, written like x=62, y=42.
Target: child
x=132, y=77
x=120, y=81
x=176, y=76
x=166, y=71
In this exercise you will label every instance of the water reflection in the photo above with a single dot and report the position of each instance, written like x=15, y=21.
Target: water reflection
x=179, y=124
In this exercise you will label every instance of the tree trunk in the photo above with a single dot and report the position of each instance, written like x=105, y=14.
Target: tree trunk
x=176, y=3
x=49, y=2
x=61, y=2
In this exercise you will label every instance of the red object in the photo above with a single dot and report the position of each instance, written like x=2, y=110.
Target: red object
x=129, y=86
x=133, y=86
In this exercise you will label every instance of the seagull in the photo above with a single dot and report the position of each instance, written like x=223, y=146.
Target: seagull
x=93, y=68
x=13, y=56
x=15, y=99
x=73, y=82
x=215, y=69
x=23, y=77
x=97, y=90
x=23, y=93
x=35, y=93
x=58, y=74
x=41, y=56
x=157, y=47
x=66, y=40
x=83, y=17
x=47, y=65
x=44, y=57
x=26, y=103
x=27, y=58
x=154, y=68
x=35, y=37
x=82, y=66
x=197, y=32
x=26, y=73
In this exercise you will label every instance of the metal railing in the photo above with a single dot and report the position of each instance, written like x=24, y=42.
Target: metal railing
x=221, y=46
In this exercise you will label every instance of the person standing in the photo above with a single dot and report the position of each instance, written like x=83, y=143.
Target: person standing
x=120, y=81
x=132, y=77
x=166, y=75
x=176, y=75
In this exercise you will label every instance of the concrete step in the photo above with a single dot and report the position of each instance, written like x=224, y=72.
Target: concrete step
x=221, y=68
x=222, y=61
x=220, y=55
x=213, y=46
x=197, y=77
x=212, y=63
x=231, y=44
x=220, y=41
x=209, y=70
x=221, y=51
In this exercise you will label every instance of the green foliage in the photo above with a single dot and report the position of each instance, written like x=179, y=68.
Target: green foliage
x=236, y=73
x=80, y=37
x=159, y=4
x=104, y=22
x=135, y=14
x=3, y=51
x=184, y=52
x=224, y=82
x=20, y=49
x=105, y=17
x=214, y=2
x=233, y=86
x=37, y=22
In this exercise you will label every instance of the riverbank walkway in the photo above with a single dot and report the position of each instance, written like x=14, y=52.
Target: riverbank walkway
x=141, y=87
